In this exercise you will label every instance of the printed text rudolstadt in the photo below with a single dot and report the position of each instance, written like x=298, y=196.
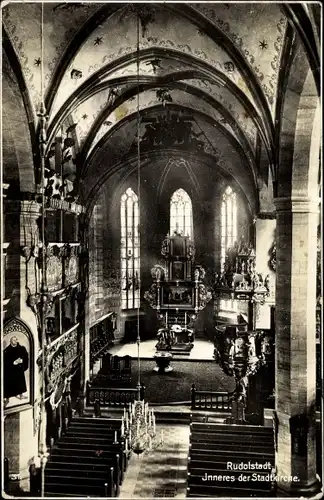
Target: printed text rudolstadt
x=266, y=473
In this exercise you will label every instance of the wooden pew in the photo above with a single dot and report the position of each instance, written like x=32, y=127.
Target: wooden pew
x=231, y=428
x=90, y=459
x=213, y=445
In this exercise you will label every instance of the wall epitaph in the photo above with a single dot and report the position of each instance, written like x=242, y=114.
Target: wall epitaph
x=18, y=356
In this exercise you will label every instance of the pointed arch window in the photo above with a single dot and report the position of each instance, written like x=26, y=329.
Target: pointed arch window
x=181, y=213
x=228, y=222
x=130, y=250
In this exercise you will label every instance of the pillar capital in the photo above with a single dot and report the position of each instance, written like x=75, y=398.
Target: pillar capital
x=297, y=204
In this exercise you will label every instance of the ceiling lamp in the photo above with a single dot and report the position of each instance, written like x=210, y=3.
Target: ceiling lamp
x=139, y=420
x=140, y=428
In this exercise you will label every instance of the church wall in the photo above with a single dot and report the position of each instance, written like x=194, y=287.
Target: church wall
x=265, y=237
x=21, y=230
x=20, y=445
x=104, y=236
x=12, y=261
x=11, y=442
x=28, y=445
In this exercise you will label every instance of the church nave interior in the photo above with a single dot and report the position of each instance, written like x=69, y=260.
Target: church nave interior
x=161, y=285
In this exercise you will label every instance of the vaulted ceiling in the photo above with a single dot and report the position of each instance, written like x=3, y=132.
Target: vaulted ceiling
x=220, y=64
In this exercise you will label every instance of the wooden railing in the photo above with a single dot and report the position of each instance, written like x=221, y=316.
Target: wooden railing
x=209, y=400
x=6, y=475
x=117, y=396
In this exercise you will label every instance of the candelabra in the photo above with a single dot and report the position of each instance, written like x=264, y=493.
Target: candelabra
x=138, y=426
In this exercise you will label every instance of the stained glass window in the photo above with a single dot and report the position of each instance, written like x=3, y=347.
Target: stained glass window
x=130, y=250
x=228, y=222
x=181, y=214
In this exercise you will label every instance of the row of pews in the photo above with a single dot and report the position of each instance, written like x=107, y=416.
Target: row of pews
x=114, y=369
x=90, y=459
x=215, y=452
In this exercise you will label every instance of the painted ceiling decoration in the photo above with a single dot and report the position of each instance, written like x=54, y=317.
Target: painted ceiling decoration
x=223, y=86
x=222, y=65
x=203, y=138
x=179, y=93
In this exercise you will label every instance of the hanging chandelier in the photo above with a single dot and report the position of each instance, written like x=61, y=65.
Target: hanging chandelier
x=138, y=422
x=139, y=427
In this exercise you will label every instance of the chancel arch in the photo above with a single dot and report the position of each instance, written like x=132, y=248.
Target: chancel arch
x=165, y=255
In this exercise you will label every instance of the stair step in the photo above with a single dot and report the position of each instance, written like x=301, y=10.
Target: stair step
x=90, y=479
x=63, y=466
x=234, y=438
x=93, y=431
x=227, y=492
x=89, y=432
x=213, y=462
x=54, y=486
x=99, y=421
x=226, y=447
x=93, y=445
x=102, y=445
x=55, y=495
x=89, y=453
x=198, y=449
x=95, y=425
x=234, y=428
x=164, y=419
x=93, y=428
x=80, y=438
x=89, y=460
x=215, y=488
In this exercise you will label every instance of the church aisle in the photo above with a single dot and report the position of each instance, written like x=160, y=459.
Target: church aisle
x=161, y=472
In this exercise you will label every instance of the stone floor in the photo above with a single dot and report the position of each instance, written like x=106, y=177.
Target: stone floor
x=202, y=350
x=161, y=472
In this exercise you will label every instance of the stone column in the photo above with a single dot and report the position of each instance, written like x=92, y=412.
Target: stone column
x=5, y=245
x=265, y=232
x=84, y=310
x=295, y=344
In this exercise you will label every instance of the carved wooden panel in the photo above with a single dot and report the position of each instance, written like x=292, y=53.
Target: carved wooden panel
x=60, y=357
x=71, y=266
x=54, y=268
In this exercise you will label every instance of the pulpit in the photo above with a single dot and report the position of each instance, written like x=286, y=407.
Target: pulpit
x=177, y=294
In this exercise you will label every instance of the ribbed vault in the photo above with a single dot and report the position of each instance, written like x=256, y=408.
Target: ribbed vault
x=223, y=66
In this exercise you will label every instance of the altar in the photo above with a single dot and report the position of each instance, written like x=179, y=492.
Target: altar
x=175, y=339
x=177, y=294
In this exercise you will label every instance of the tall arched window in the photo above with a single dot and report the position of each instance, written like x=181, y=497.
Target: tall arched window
x=181, y=213
x=130, y=250
x=228, y=222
